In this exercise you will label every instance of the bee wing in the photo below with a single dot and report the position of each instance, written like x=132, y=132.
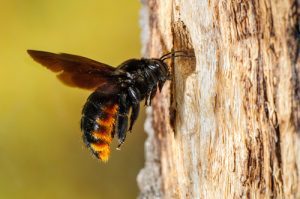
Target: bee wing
x=73, y=70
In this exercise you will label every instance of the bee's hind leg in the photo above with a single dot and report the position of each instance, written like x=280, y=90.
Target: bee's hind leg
x=135, y=97
x=122, y=118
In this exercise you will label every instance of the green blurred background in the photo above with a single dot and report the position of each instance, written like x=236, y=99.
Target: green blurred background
x=41, y=151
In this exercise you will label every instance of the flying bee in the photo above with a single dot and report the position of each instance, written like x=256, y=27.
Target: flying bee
x=116, y=92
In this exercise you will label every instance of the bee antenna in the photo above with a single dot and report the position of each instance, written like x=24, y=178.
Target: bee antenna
x=175, y=54
x=171, y=53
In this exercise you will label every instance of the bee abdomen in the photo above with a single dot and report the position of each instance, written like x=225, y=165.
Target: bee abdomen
x=98, y=125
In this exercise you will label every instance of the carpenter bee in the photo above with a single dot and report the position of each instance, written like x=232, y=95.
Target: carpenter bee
x=116, y=92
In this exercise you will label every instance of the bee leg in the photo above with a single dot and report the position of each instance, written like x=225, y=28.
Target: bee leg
x=161, y=84
x=153, y=92
x=135, y=109
x=146, y=100
x=122, y=118
x=148, y=96
x=135, y=96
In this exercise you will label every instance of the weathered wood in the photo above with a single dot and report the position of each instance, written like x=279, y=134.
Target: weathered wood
x=228, y=126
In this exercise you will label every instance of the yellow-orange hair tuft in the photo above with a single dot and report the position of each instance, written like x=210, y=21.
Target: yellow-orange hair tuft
x=105, y=132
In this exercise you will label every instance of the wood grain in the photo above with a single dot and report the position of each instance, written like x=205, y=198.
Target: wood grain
x=228, y=125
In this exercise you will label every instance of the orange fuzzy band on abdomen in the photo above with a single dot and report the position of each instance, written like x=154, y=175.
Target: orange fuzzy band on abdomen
x=102, y=149
x=104, y=133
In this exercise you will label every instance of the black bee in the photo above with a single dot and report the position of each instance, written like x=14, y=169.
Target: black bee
x=116, y=91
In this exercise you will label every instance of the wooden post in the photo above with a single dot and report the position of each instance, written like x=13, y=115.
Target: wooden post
x=228, y=125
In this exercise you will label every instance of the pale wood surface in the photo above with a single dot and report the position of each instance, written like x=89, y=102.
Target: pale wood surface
x=228, y=126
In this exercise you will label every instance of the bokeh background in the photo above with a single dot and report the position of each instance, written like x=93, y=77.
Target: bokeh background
x=41, y=151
